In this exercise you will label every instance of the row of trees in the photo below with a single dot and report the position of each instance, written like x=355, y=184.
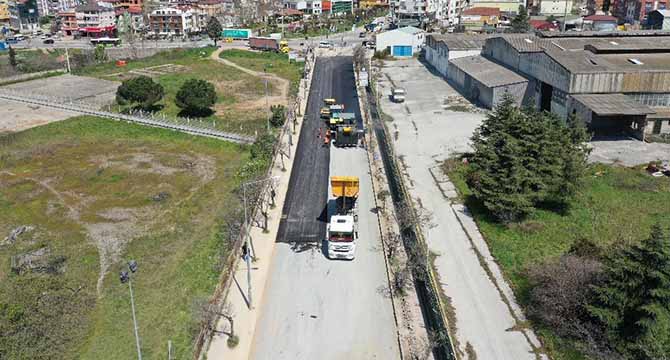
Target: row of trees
x=195, y=97
x=524, y=159
x=618, y=307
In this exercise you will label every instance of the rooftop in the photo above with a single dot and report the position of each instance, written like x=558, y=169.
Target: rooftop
x=461, y=41
x=486, y=71
x=600, y=18
x=92, y=7
x=612, y=104
x=482, y=11
x=410, y=30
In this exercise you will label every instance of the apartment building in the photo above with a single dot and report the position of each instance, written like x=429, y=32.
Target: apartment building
x=173, y=21
x=96, y=19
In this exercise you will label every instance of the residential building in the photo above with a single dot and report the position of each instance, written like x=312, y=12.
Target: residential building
x=341, y=6
x=130, y=19
x=23, y=15
x=173, y=21
x=509, y=7
x=68, y=22
x=659, y=20
x=554, y=7
x=594, y=6
x=210, y=7
x=4, y=12
x=480, y=18
x=402, y=42
x=616, y=82
x=96, y=19
x=440, y=48
x=635, y=11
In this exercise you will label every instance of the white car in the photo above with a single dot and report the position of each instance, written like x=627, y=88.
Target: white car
x=325, y=45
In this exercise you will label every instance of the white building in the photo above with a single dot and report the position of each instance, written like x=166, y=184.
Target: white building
x=403, y=42
x=173, y=21
x=442, y=48
x=306, y=6
x=554, y=7
x=96, y=19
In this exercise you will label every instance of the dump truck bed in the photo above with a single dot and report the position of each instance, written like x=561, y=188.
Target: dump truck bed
x=347, y=186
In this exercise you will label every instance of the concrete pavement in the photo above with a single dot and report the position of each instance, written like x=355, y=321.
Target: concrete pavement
x=425, y=133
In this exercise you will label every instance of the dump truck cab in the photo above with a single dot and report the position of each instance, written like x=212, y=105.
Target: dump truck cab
x=329, y=101
x=342, y=229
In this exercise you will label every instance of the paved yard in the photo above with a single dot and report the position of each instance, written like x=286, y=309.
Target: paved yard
x=426, y=131
x=628, y=152
x=76, y=88
x=16, y=116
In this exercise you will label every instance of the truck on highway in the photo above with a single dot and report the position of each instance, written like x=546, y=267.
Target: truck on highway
x=268, y=44
x=342, y=229
x=236, y=34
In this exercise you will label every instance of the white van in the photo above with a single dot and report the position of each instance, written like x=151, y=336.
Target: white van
x=398, y=95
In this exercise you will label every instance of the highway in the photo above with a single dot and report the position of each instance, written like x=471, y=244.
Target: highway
x=316, y=308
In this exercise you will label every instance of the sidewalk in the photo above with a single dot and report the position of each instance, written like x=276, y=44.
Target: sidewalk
x=264, y=245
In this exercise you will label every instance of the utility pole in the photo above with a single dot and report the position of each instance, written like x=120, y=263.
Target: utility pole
x=565, y=16
x=267, y=104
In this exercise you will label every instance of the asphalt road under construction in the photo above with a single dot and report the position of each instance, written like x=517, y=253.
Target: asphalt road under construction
x=313, y=307
x=305, y=215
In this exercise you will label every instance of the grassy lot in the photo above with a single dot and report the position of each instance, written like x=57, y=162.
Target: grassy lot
x=236, y=109
x=271, y=62
x=98, y=193
x=32, y=61
x=614, y=204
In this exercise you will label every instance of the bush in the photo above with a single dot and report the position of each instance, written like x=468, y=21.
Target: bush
x=196, y=97
x=278, y=115
x=141, y=90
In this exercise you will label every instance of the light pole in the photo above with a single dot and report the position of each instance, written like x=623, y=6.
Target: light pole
x=249, y=247
x=124, y=276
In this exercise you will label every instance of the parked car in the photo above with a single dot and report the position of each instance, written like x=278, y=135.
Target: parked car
x=362, y=35
x=48, y=41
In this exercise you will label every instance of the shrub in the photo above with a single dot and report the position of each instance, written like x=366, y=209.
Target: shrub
x=196, y=97
x=141, y=90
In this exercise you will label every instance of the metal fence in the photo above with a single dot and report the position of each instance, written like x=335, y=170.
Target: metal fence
x=86, y=107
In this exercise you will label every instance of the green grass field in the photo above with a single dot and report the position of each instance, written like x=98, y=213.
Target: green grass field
x=271, y=62
x=614, y=205
x=98, y=193
x=238, y=93
x=32, y=61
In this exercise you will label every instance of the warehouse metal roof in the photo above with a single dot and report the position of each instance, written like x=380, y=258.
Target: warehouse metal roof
x=582, y=61
x=486, y=71
x=612, y=104
x=461, y=41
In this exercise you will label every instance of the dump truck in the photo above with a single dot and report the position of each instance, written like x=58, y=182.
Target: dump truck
x=264, y=43
x=329, y=101
x=283, y=47
x=342, y=229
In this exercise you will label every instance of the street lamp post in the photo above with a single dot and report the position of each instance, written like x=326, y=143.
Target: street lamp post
x=124, y=276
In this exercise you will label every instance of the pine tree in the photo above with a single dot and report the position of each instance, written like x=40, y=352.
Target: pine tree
x=520, y=23
x=633, y=304
x=214, y=29
x=498, y=176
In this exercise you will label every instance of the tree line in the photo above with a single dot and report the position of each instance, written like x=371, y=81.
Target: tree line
x=615, y=303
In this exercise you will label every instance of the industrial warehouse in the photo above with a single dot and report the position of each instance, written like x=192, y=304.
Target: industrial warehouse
x=614, y=82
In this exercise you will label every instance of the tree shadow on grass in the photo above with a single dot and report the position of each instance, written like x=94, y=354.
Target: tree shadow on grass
x=196, y=112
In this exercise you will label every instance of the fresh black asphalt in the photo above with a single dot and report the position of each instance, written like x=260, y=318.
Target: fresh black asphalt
x=304, y=214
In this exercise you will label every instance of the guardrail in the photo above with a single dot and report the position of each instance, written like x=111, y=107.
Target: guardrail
x=186, y=125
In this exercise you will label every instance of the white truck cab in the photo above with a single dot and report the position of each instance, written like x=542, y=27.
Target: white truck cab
x=341, y=235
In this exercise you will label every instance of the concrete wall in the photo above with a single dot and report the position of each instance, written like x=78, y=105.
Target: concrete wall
x=518, y=92
x=439, y=58
x=440, y=55
x=542, y=67
x=496, y=49
x=658, y=126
